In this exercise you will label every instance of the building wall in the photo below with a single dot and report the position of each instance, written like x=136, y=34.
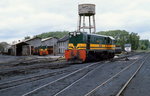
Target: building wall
x=13, y=50
x=26, y=50
x=62, y=46
x=6, y=48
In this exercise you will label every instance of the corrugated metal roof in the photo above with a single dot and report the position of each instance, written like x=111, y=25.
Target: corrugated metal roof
x=48, y=38
x=31, y=39
x=102, y=36
x=63, y=39
x=24, y=43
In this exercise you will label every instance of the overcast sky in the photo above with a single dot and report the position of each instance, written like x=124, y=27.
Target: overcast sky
x=20, y=18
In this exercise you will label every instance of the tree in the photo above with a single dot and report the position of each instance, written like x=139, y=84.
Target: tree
x=123, y=37
x=134, y=40
x=3, y=45
x=58, y=34
x=27, y=37
x=1, y=48
x=144, y=44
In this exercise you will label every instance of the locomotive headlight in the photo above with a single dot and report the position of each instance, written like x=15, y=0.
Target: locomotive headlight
x=74, y=33
x=78, y=33
x=71, y=33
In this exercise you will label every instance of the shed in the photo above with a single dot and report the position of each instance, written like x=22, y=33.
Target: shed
x=21, y=48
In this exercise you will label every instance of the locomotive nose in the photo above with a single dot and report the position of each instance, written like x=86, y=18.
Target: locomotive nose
x=75, y=55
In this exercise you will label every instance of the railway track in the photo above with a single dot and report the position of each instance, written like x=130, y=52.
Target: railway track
x=17, y=82
x=59, y=82
x=76, y=75
x=131, y=78
x=13, y=83
x=83, y=73
x=107, y=89
x=29, y=79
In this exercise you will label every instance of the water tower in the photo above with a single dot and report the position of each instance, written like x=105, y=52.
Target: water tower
x=86, y=18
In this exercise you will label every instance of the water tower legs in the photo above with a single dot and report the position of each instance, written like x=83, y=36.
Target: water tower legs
x=82, y=23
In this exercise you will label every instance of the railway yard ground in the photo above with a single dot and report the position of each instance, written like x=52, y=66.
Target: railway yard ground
x=125, y=75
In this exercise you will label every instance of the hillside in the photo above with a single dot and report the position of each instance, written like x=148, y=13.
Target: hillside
x=58, y=34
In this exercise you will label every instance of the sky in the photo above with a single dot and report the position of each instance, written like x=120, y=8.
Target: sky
x=21, y=18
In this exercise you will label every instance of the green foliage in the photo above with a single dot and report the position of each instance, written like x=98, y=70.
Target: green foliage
x=58, y=34
x=144, y=44
x=123, y=37
x=143, y=47
x=1, y=48
x=27, y=37
x=3, y=45
x=134, y=40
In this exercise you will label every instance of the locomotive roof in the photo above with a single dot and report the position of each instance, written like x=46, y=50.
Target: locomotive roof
x=102, y=36
x=85, y=33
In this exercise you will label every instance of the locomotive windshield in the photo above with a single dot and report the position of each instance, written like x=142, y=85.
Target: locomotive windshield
x=75, y=37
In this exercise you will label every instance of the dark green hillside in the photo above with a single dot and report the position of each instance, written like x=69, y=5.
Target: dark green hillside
x=58, y=34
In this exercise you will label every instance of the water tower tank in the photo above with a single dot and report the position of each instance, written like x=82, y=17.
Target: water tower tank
x=86, y=9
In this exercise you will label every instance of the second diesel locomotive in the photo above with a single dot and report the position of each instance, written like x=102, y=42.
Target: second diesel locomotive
x=86, y=47
x=41, y=50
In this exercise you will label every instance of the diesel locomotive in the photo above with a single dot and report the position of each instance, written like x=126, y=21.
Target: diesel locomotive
x=41, y=50
x=89, y=47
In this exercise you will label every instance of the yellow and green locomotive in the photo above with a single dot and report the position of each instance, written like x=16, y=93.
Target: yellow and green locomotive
x=86, y=47
x=41, y=50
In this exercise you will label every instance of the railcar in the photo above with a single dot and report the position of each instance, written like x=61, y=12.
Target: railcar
x=41, y=50
x=89, y=47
